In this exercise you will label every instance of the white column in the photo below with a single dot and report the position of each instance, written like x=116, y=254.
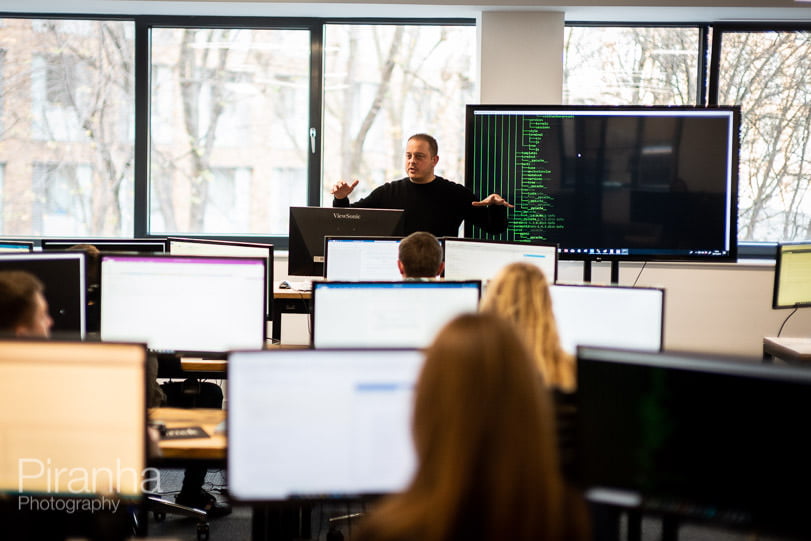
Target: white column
x=521, y=57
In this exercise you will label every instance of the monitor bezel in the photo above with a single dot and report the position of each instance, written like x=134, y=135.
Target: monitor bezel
x=54, y=244
x=376, y=283
x=731, y=219
x=164, y=256
x=662, y=294
x=360, y=238
x=268, y=267
x=339, y=497
x=300, y=264
x=81, y=257
x=778, y=267
x=20, y=243
x=509, y=243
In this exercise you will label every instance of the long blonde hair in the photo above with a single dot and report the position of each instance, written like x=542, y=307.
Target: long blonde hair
x=484, y=434
x=520, y=293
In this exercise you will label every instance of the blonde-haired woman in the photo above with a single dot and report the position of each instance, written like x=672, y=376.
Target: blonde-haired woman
x=520, y=293
x=484, y=435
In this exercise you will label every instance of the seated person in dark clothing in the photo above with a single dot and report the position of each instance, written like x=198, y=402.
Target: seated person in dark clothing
x=23, y=308
x=431, y=203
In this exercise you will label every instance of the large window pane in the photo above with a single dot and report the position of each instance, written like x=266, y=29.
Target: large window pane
x=630, y=65
x=383, y=83
x=66, y=124
x=229, y=122
x=769, y=75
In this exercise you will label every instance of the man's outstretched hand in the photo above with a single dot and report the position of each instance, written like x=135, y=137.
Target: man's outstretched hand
x=342, y=189
x=492, y=199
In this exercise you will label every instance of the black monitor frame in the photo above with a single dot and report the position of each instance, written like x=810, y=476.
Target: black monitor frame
x=68, y=312
x=19, y=246
x=309, y=226
x=153, y=245
x=596, y=248
x=779, y=273
x=215, y=242
x=699, y=436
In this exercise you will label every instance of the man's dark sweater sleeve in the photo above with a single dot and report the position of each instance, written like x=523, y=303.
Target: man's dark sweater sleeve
x=492, y=218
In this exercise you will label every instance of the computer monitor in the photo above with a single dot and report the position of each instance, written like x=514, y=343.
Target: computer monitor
x=361, y=258
x=186, y=246
x=609, y=316
x=74, y=421
x=156, y=245
x=63, y=275
x=309, y=226
x=15, y=246
x=792, y=275
x=387, y=314
x=184, y=304
x=615, y=183
x=333, y=424
x=471, y=259
x=711, y=438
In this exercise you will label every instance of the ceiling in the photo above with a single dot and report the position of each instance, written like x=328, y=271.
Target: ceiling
x=582, y=10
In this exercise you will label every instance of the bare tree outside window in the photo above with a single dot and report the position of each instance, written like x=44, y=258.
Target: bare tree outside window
x=67, y=96
x=630, y=65
x=386, y=82
x=768, y=74
x=227, y=99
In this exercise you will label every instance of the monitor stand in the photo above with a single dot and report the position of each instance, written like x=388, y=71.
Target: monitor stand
x=615, y=271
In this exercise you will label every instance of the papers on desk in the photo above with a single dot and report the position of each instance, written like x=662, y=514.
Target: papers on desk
x=184, y=433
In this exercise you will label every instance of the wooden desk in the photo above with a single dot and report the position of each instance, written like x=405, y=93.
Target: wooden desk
x=790, y=349
x=211, y=448
x=203, y=365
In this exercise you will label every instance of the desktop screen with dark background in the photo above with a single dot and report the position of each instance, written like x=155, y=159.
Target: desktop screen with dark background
x=612, y=183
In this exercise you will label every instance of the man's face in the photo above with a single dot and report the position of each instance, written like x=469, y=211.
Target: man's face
x=41, y=322
x=419, y=163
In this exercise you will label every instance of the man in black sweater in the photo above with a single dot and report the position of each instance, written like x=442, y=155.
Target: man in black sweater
x=431, y=203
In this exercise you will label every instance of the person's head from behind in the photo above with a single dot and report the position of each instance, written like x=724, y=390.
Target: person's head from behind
x=420, y=256
x=483, y=431
x=520, y=293
x=421, y=157
x=23, y=308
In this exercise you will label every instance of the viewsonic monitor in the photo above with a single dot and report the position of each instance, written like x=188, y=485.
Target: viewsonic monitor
x=185, y=246
x=184, y=304
x=792, y=276
x=63, y=276
x=387, y=314
x=109, y=244
x=309, y=226
x=362, y=258
x=717, y=439
x=611, y=183
x=333, y=424
x=14, y=246
x=609, y=316
x=471, y=259
x=75, y=420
